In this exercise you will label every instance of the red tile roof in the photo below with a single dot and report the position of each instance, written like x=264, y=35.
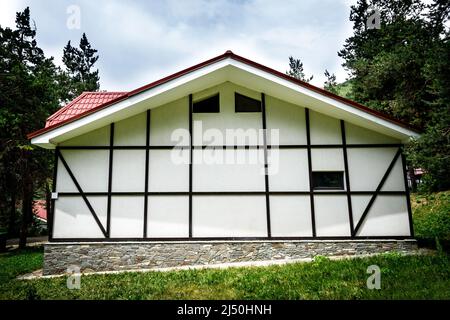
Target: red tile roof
x=94, y=103
x=85, y=102
x=39, y=209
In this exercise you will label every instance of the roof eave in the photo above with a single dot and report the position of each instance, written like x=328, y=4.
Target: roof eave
x=37, y=137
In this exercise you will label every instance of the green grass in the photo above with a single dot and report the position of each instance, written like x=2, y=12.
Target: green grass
x=431, y=215
x=402, y=277
x=15, y=263
x=18, y=262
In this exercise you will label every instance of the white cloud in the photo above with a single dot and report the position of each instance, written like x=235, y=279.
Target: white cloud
x=8, y=11
x=139, y=42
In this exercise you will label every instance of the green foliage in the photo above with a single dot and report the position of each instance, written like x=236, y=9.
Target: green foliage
x=402, y=69
x=79, y=76
x=296, y=70
x=431, y=216
x=402, y=277
x=330, y=84
x=28, y=95
x=432, y=151
x=386, y=64
x=318, y=260
x=344, y=89
x=31, y=89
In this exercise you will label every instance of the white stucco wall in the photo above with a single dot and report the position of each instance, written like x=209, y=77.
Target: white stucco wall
x=388, y=215
x=288, y=119
x=168, y=216
x=228, y=215
x=324, y=129
x=289, y=170
x=368, y=165
x=127, y=216
x=331, y=214
x=241, y=174
x=128, y=171
x=74, y=220
x=167, y=118
x=90, y=168
x=131, y=131
x=164, y=174
x=98, y=137
x=290, y=216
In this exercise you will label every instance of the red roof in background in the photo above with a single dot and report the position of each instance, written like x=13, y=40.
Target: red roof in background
x=39, y=209
x=85, y=102
x=90, y=102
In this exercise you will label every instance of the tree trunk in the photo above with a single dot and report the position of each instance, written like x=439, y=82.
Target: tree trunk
x=412, y=178
x=12, y=214
x=27, y=212
x=27, y=204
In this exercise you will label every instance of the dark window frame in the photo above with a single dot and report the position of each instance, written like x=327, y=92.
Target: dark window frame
x=240, y=98
x=340, y=180
x=202, y=109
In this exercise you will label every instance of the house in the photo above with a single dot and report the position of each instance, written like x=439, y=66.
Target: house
x=227, y=160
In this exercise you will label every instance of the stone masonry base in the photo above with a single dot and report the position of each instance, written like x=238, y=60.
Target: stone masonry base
x=111, y=256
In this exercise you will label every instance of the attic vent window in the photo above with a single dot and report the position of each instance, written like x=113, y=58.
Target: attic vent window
x=208, y=105
x=246, y=104
x=328, y=180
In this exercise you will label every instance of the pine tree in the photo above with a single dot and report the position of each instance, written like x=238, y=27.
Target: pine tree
x=402, y=69
x=80, y=75
x=88, y=58
x=296, y=70
x=28, y=94
x=330, y=84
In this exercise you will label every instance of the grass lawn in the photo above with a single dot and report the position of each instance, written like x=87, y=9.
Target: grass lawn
x=402, y=277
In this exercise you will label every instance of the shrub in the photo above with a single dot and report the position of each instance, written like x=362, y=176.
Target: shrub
x=431, y=216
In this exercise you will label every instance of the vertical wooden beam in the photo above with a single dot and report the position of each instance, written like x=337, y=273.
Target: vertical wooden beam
x=190, y=164
x=266, y=165
x=51, y=216
x=311, y=194
x=347, y=177
x=408, y=199
x=110, y=170
x=147, y=158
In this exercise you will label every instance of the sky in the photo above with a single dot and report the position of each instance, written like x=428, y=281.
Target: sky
x=142, y=41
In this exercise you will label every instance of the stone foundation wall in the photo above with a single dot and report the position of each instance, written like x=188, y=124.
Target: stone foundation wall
x=107, y=256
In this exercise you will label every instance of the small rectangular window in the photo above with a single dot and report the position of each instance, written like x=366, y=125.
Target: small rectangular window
x=208, y=105
x=246, y=104
x=328, y=180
